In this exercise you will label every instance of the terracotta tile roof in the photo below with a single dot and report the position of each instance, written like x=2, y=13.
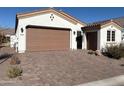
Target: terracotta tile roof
x=119, y=21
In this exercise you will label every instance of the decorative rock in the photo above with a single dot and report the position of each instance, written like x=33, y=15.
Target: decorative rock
x=98, y=53
x=91, y=52
x=20, y=78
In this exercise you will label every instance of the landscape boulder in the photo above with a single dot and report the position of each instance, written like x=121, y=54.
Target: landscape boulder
x=98, y=53
x=91, y=52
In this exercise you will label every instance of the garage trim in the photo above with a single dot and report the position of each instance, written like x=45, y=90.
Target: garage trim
x=47, y=27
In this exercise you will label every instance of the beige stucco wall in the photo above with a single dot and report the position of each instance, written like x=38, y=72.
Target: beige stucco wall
x=103, y=36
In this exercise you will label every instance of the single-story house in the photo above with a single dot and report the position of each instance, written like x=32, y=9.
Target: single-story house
x=51, y=29
x=47, y=29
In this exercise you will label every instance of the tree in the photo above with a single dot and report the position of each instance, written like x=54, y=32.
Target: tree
x=3, y=38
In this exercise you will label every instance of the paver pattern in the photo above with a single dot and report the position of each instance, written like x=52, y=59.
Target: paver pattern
x=58, y=68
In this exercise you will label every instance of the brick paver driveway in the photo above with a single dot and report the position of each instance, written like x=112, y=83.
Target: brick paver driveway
x=63, y=68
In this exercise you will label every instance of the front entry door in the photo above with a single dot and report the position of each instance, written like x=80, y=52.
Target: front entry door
x=91, y=40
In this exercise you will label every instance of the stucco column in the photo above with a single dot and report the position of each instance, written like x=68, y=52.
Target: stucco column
x=84, y=45
x=99, y=40
x=71, y=39
x=74, y=35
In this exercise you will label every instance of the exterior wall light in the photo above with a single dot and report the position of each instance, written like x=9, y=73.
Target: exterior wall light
x=74, y=32
x=22, y=30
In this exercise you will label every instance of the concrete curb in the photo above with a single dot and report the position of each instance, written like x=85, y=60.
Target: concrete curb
x=114, y=81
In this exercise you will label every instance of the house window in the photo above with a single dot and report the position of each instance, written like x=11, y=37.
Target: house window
x=113, y=35
x=110, y=35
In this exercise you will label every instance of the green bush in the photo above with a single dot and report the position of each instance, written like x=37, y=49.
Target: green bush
x=116, y=51
x=14, y=72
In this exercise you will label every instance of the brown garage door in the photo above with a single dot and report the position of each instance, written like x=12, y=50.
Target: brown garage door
x=42, y=39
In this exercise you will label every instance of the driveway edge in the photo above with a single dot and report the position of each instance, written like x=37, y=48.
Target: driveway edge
x=114, y=81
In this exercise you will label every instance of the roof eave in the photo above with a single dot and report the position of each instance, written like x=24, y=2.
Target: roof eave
x=23, y=15
x=112, y=22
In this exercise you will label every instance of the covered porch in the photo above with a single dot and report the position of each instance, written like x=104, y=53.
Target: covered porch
x=91, y=37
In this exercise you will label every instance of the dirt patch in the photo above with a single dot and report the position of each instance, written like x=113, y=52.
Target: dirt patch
x=63, y=68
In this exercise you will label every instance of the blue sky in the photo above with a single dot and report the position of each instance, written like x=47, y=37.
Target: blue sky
x=86, y=14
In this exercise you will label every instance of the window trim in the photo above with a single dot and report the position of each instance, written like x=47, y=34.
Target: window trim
x=108, y=38
x=111, y=36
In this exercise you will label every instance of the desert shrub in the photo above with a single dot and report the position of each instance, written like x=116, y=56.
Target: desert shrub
x=15, y=60
x=4, y=39
x=14, y=72
x=115, y=51
x=4, y=55
x=122, y=50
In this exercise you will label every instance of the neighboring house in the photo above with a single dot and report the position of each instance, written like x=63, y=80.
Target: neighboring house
x=120, y=20
x=47, y=29
x=51, y=29
x=13, y=41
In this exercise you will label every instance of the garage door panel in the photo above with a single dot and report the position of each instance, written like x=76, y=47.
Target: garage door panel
x=47, y=39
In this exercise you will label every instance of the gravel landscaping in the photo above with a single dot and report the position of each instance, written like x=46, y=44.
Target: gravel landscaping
x=61, y=68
